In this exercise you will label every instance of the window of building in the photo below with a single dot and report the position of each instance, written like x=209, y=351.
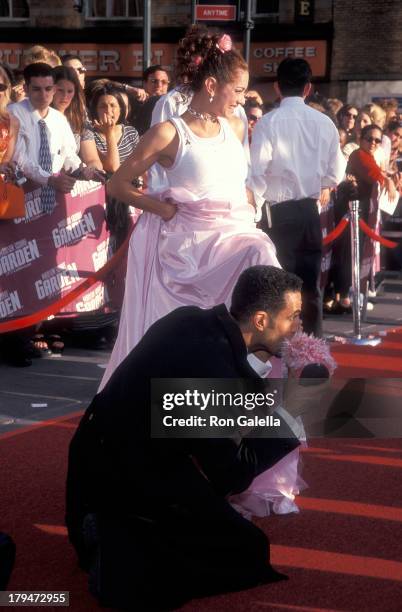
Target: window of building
x=266, y=8
x=113, y=9
x=14, y=9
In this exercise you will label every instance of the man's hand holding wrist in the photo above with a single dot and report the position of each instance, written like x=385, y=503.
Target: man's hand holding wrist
x=61, y=182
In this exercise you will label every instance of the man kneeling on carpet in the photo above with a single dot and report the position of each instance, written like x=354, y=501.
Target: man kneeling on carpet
x=148, y=517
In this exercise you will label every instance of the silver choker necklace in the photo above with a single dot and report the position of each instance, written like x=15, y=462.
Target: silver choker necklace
x=202, y=116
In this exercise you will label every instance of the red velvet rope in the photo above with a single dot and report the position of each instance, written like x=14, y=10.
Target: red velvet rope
x=390, y=244
x=342, y=225
x=41, y=315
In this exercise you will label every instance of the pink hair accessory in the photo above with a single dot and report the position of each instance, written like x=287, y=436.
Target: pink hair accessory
x=197, y=60
x=224, y=44
x=301, y=350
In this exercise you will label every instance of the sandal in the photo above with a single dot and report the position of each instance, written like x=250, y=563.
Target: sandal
x=55, y=344
x=337, y=309
x=38, y=346
x=327, y=307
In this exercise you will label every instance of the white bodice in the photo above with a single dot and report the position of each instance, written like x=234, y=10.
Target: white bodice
x=208, y=168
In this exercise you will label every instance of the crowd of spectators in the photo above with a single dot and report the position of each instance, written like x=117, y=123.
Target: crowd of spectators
x=106, y=119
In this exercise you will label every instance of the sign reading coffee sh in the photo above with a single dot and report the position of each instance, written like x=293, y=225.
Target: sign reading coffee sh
x=266, y=57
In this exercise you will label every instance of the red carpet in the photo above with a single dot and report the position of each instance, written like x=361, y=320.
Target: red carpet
x=382, y=361
x=342, y=552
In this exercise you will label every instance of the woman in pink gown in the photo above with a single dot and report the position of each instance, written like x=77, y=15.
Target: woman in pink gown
x=192, y=241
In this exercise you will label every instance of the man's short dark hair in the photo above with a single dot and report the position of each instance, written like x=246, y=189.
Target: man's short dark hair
x=262, y=288
x=39, y=69
x=151, y=70
x=293, y=75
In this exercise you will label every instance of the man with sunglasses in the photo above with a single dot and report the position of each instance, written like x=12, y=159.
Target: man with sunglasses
x=254, y=113
x=295, y=161
x=156, y=81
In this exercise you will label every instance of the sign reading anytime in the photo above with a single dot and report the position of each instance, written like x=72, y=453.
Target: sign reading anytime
x=215, y=12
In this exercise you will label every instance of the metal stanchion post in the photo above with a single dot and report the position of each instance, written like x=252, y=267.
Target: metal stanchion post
x=357, y=338
x=355, y=250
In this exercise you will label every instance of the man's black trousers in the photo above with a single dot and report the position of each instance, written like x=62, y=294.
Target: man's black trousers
x=296, y=234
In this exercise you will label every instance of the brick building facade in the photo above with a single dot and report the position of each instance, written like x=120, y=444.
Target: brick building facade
x=367, y=49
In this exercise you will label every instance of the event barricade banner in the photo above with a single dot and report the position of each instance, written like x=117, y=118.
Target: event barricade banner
x=43, y=256
x=327, y=221
x=370, y=250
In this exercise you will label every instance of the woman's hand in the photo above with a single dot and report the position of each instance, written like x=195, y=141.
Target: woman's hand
x=140, y=94
x=169, y=210
x=19, y=92
x=251, y=199
x=90, y=173
x=105, y=125
x=390, y=187
x=325, y=197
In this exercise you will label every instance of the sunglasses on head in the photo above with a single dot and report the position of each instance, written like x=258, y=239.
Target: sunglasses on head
x=373, y=140
x=3, y=87
x=351, y=115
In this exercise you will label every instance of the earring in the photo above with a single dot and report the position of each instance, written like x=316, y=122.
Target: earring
x=211, y=99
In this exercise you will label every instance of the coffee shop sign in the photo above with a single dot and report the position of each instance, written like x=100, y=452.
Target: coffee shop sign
x=266, y=57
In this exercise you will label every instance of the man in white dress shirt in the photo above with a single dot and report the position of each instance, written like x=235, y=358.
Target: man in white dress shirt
x=46, y=148
x=295, y=161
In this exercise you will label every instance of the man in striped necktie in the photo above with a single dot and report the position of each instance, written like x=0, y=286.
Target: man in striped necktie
x=48, y=195
x=46, y=148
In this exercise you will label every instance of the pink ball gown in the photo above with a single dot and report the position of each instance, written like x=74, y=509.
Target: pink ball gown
x=274, y=491
x=196, y=257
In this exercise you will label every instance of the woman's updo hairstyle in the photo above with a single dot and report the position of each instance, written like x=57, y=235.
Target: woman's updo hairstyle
x=204, y=53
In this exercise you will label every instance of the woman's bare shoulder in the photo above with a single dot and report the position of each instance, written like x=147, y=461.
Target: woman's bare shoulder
x=164, y=131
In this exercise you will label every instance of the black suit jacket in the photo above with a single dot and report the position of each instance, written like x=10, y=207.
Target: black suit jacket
x=116, y=467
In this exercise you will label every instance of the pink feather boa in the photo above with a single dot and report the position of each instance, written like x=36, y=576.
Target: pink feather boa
x=302, y=350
